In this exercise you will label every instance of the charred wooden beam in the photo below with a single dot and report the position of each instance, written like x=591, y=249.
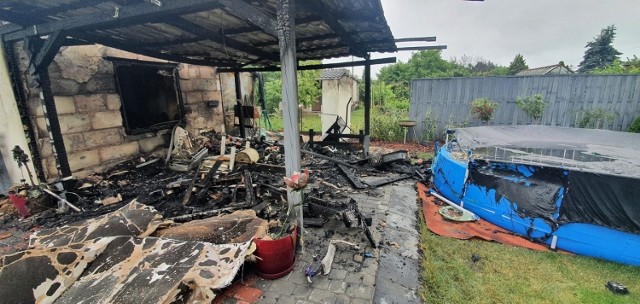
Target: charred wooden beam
x=422, y=48
x=250, y=197
x=331, y=159
x=134, y=49
x=207, y=181
x=250, y=14
x=314, y=66
x=48, y=51
x=205, y=33
x=253, y=28
x=328, y=16
x=133, y=14
x=300, y=40
x=355, y=181
x=415, y=39
x=388, y=180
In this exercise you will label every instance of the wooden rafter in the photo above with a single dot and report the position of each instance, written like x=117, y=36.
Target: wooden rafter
x=205, y=33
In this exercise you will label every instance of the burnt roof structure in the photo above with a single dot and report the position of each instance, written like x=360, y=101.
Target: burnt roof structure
x=221, y=33
x=215, y=32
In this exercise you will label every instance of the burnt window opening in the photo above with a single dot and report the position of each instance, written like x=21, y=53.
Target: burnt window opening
x=150, y=95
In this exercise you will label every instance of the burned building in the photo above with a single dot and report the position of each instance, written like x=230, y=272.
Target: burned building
x=113, y=105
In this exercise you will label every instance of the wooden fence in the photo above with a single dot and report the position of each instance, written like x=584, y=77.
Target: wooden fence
x=446, y=102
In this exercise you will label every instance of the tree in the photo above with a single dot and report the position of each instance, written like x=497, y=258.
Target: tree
x=422, y=64
x=518, y=64
x=600, y=53
x=308, y=87
x=630, y=66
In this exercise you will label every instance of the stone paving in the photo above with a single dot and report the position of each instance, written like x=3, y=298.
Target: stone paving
x=391, y=276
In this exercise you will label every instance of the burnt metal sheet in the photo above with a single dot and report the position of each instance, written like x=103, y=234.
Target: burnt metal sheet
x=238, y=227
x=154, y=270
x=42, y=275
x=104, y=260
x=134, y=219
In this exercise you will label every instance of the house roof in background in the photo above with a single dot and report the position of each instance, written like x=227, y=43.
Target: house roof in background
x=213, y=32
x=334, y=73
x=543, y=70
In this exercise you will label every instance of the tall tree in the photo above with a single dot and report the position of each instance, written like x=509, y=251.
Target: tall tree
x=600, y=53
x=422, y=64
x=518, y=64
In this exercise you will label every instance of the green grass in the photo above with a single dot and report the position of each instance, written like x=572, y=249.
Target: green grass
x=313, y=121
x=508, y=274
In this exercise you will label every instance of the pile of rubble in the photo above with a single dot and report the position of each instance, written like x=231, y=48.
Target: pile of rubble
x=215, y=190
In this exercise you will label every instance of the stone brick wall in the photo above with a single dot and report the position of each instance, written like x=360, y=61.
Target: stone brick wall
x=88, y=106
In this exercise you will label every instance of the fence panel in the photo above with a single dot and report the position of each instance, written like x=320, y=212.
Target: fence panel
x=448, y=100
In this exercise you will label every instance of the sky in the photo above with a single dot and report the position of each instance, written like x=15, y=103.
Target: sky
x=543, y=31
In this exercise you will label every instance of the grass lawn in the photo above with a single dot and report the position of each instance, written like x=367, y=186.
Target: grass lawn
x=313, y=121
x=506, y=274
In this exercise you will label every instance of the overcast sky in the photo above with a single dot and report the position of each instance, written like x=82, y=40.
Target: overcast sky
x=543, y=31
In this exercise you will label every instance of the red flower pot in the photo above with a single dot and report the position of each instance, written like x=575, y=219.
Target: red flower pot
x=276, y=257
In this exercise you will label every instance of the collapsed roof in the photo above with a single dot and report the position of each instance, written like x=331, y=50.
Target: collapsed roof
x=204, y=32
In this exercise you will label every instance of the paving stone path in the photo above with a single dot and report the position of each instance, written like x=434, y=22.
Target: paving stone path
x=391, y=276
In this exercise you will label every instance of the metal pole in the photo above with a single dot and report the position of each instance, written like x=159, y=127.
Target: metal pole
x=367, y=96
x=288, y=66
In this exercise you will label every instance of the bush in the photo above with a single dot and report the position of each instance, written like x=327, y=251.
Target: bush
x=483, y=109
x=430, y=124
x=595, y=118
x=532, y=105
x=384, y=124
x=635, y=125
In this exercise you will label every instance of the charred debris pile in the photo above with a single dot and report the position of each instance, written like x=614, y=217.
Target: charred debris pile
x=215, y=175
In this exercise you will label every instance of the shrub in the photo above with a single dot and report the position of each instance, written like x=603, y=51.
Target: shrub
x=532, y=105
x=384, y=124
x=430, y=124
x=635, y=125
x=483, y=109
x=595, y=118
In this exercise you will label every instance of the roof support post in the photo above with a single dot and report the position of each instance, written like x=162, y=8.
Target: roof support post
x=239, y=104
x=35, y=49
x=288, y=66
x=367, y=96
x=21, y=100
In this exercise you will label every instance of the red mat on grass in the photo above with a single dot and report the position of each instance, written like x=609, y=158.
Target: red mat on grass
x=466, y=230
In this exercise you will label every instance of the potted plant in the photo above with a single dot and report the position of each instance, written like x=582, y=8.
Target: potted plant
x=276, y=254
x=483, y=109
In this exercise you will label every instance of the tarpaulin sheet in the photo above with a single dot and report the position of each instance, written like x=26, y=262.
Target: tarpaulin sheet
x=480, y=229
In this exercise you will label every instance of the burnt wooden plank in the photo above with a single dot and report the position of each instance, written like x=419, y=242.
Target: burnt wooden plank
x=134, y=14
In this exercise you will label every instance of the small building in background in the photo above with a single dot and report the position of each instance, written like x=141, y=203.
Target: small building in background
x=555, y=69
x=340, y=94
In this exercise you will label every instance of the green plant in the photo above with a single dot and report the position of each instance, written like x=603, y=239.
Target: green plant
x=532, y=105
x=384, y=124
x=635, y=125
x=452, y=124
x=483, y=108
x=430, y=123
x=595, y=118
